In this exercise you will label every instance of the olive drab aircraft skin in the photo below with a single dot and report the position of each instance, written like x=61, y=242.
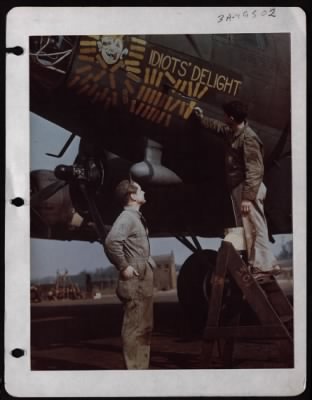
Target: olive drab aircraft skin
x=131, y=99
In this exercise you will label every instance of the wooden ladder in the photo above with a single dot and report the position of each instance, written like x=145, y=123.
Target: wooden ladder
x=272, y=308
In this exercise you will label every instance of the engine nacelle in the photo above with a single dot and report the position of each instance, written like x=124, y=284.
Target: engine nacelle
x=149, y=173
x=151, y=170
x=58, y=208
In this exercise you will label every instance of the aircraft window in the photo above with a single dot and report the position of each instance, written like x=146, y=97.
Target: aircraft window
x=262, y=41
x=223, y=38
x=249, y=40
x=179, y=43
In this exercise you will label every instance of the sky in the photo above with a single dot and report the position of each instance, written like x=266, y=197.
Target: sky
x=50, y=256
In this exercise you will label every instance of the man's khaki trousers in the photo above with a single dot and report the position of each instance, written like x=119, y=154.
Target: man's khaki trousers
x=136, y=295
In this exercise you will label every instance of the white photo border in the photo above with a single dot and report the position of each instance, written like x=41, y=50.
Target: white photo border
x=20, y=380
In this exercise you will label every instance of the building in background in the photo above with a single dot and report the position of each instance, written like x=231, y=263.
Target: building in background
x=90, y=285
x=165, y=276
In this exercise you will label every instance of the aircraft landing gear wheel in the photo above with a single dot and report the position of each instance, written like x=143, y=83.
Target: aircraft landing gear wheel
x=192, y=288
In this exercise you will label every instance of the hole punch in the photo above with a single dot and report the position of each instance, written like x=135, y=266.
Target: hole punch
x=17, y=353
x=17, y=50
x=17, y=202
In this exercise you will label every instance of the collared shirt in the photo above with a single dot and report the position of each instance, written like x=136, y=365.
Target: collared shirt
x=127, y=242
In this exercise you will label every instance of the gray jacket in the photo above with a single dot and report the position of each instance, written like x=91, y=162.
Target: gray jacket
x=243, y=157
x=127, y=242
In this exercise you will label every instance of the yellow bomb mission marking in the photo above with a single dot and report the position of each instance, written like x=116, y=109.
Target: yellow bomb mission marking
x=145, y=68
x=193, y=73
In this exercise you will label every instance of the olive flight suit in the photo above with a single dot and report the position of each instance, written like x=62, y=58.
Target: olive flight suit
x=127, y=244
x=244, y=174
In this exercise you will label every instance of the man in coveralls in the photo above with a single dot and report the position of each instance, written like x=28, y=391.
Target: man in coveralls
x=127, y=246
x=244, y=174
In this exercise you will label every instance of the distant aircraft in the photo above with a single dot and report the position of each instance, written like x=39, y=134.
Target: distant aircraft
x=130, y=100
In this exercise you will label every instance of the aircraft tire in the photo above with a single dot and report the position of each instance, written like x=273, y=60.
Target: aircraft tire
x=191, y=288
x=193, y=291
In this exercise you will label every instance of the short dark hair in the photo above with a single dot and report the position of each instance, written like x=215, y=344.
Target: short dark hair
x=124, y=189
x=236, y=110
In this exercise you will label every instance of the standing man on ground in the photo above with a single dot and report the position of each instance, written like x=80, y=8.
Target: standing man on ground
x=127, y=246
x=244, y=173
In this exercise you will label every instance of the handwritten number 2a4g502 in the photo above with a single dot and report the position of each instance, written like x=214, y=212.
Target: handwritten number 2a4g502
x=271, y=12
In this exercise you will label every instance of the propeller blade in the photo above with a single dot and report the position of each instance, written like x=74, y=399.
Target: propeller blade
x=46, y=193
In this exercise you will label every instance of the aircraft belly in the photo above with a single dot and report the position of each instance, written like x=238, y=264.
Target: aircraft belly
x=118, y=93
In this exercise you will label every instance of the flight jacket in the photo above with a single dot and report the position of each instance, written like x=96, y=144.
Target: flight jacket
x=127, y=242
x=243, y=157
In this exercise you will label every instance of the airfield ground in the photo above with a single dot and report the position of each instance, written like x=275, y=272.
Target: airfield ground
x=85, y=335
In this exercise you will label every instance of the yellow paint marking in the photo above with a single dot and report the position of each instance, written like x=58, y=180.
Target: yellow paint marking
x=190, y=89
x=146, y=94
x=160, y=75
x=174, y=105
x=153, y=77
x=115, y=98
x=152, y=96
x=125, y=96
x=141, y=91
x=168, y=119
x=182, y=88
x=152, y=111
x=96, y=37
x=132, y=107
x=138, y=56
x=98, y=76
x=86, y=58
x=100, y=60
x=95, y=98
x=92, y=90
x=133, y=70
x=132, y=62
x=170, y=78
x=196, y=89
x=83, y=69
x=87, y=43
x=86, y=79
x=162, y=101
x=104, y=94
x=189, y=110
x=178, y=83
x=159, y=94
x=147, y=75
x=155, y=116
x=140, y=108
x=133, y=77
x=137, y=48
x=138, y=41
x=116, y=66
x=200, y=94
x=129, y=86
x=73, y=81
x=107, y=103
x=168, y=102
x=83, y=89
x=87, y=50
x=182, y=108
x=112, y=81
x=146, y=111
x=161, y=117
